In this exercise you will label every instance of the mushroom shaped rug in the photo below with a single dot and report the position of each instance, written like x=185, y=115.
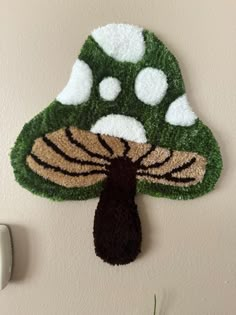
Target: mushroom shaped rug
x=122, y=125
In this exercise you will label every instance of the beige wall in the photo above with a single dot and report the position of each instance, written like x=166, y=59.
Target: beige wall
x=189, y=247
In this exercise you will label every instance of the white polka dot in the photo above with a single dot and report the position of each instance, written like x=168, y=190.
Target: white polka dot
x=120, y=126
x=180, y=113
x=109, y=88
x=151, y=86
x=79, y=86
x=122, y=42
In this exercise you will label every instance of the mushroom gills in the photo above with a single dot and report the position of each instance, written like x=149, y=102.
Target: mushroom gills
x=75, y=158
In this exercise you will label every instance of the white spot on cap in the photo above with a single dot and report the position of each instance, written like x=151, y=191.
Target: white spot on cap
x=180, y=113
x=122, y=42
x=79, y=86
x=120, y=126
x=109, y=88
x=151, y=86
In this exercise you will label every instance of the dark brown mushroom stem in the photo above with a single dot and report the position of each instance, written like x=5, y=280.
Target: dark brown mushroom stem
x=75, y=158
x=117, y=227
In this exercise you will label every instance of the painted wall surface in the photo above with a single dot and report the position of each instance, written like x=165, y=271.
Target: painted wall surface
x=189, y=247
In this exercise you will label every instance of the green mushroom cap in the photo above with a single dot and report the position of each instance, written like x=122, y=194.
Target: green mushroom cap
x=125, y=84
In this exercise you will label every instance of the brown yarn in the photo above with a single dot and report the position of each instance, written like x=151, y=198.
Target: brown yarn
x=70, y=149
x=71, y=158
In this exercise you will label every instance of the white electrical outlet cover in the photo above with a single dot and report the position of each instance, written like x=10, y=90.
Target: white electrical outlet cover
x=5, y=256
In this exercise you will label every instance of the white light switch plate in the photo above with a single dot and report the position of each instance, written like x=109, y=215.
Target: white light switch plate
x=5, y=256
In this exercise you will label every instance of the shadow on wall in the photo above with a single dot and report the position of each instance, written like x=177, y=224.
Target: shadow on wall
x=147, y=244
x=163, y=302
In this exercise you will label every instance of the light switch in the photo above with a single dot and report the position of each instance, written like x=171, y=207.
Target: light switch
x=5, y=256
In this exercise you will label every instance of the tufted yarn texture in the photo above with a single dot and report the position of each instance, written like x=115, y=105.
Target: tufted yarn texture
x=121, y=125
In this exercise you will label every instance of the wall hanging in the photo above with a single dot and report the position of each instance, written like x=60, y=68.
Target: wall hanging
x=121, y=125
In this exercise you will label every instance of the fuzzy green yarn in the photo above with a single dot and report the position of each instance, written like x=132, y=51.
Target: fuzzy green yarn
x=196, y=138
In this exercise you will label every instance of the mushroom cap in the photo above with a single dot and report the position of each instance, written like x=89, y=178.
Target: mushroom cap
x=164, y=113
